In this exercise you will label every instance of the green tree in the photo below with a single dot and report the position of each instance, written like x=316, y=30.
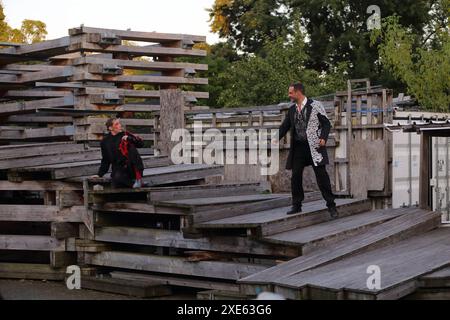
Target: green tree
x=336, y=30
x=31, y=31
x=264, y=79
x=425, y=69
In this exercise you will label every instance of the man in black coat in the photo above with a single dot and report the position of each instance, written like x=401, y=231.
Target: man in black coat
x=309, y=128
x=119, y=150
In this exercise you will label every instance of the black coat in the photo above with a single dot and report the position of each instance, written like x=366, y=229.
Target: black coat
x=123, y=168
x=318, y=127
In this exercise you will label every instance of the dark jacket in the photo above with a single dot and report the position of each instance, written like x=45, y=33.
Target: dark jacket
x=123, y=167
x=318, y=127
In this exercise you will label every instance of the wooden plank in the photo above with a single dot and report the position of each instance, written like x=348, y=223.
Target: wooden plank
x=162, y=194
x=33, y=105
x=150, y=51
x=41, y=213
x=23, y=94
x=128, y=93
x=175, y=239
x=39, y=243
x=84, y=168
x=40, y=149
x=276, y=215
x=137, y=79
x=131, y=207
x=173, y=265
x=30, y=271
x=41, y=133
x=139, y=35
x=220, y=295
x=136, y=288
x=34, y=161
x=401, y=265
x=387, y=233
x=141, y=65
x=26, y=119
x=318, y=235
x=177, y=281
x=168, y=174
x=38, y=186
x=217, y=214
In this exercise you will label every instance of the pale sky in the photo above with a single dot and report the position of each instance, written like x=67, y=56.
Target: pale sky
x=165, y=16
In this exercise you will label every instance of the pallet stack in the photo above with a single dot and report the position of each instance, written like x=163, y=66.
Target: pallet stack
x=55, y=90
x=54, y=100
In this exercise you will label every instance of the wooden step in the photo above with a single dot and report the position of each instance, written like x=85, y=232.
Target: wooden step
x=193, y=206
x=32, y=161
x=436, y=279
x=401, y=265
x=199, y=283
x=322, y=234
x=82, y=168
x=33, y=271
x=220, y=295
x=173, y=265
x=175, y=239
x=166, y=175
x=39, y=149
x=136, y=288
x=278, y=277
x=269, y=222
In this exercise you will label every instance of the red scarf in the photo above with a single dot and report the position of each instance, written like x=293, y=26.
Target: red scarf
x=123, y=148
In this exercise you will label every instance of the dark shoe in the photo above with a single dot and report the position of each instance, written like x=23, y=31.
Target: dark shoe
x=295, y=209
x=333, y=212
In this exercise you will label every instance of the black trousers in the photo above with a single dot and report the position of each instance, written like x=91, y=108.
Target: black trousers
x=302, y=158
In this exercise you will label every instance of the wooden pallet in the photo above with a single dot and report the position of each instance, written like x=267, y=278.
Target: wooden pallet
x=281, y=278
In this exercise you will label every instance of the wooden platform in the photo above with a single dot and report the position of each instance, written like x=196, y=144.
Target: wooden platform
x=268, y=222
x=284, y=278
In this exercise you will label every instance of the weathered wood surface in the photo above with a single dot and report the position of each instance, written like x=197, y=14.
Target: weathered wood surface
x=177, y=281
x=83, y=168
x=39, y=243
x=175, y=239
x=422, y=254
x=275, y=220
x=136, y=288
x=334, y=230
x=174, y=265
x=166, y=175
x=41, y=213
x=31, y=271
x=390, y=232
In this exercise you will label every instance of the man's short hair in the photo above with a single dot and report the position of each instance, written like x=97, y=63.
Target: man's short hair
x=110, y=122
x=298, y=86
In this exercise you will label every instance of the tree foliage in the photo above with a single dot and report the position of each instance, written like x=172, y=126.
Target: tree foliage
x=425, y=69
x=31, y=31
x=264, y=79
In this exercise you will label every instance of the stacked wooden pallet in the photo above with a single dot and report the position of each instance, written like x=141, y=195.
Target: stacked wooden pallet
x=46, y=220
x=75, y=81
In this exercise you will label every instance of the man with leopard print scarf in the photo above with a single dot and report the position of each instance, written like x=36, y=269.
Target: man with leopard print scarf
x=309, y=128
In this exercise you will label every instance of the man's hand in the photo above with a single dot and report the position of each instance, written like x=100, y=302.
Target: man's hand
x=275, y=141
x=95, y=176
x=125, y=137
x=322, y=142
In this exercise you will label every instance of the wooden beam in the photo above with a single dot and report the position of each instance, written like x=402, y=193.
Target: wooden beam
x=138, y=35
x=41, y=213
x=173, y=265
x=32, y=106
x=38, y=243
